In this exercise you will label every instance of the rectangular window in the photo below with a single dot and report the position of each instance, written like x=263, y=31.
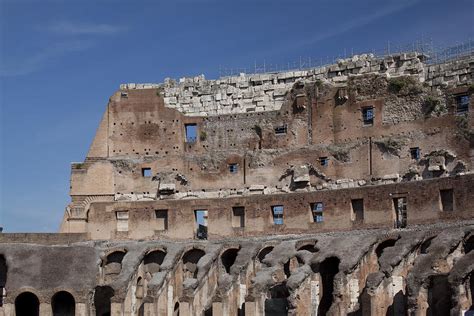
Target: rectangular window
x=161, y=219
x=400, y=205
x=415, y=153
x=447, y=200
x=317, y=212
x=122, y=221
x=233, y=168
x=357, y=210
x=462, y=104
x=146, y=172
x=324, y=161
x=238, y=216
x=277, y=211
x=368, y=116
x=124, y=95
x=191, y=133
x=200, y=217
x=279, y=130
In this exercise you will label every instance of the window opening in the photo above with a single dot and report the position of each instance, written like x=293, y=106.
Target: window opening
x=447, y=200
x=317, y=212
x=238, y=216
x=191, y=133
x=415, y=153
x=161, y=219
x=368, y=116
x=277, y=214
x=233, y=168
x=357, y=210
x=201, y=223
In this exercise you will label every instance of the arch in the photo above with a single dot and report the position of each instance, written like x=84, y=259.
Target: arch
x=228, y=258
x=264, y=252
x=190, y=261
x=113, y=262
x=384, y=244
x=426, y=244
x=27, y=303
x=176, y=309
x=3, y=276
x=102, y=302
x=469, y=244
x=63, y=304
x=328, y=270
x=308, y=246
x=153, y=260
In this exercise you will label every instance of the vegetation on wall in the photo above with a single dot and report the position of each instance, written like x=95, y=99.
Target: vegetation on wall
x=463, y=130
x=391, y=145
x=202, y=136
x=433, y=105
x=340, y=152
x=404, y=85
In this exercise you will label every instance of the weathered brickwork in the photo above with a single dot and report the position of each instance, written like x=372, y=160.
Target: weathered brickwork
x=340, y=190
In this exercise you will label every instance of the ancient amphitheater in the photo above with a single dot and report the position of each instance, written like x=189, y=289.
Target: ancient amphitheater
x=340, y=190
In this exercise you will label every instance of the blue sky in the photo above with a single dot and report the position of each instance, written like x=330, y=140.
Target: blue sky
x=61, y=60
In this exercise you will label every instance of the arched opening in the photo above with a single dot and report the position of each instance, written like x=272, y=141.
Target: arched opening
x=425, y=245
x=3, y=277
x=190, y=260
x=102, y=296
x=27, y=304
x=277, y=303
x=469, y=244
x=263, y=253
x=153, y=260
x=140, y=289
x=328, y=270
x=113, y=263
x=309, y=247
x=439, y=296
x=384, y=244
x=228, y=258
x=176, y=309
x=63, y=304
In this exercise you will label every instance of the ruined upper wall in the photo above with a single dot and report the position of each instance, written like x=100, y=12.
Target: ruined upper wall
x=266, y=92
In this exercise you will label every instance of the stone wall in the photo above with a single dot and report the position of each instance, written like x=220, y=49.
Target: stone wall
x=266, y=92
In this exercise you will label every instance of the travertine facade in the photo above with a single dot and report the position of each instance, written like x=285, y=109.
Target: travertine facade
x=341, y=190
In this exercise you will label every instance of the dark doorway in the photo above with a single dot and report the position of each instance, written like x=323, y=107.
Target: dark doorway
x=63, y=304
x=328, y=270
x=3, y=277
x=447, y=200
x=439, y=296
x=27, y=304
x=277, y=304
x=400, y=206
x=102, y=297
x=358, y=210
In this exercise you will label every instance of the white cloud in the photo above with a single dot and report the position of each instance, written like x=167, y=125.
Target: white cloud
x=73, y=28
x=38, y=60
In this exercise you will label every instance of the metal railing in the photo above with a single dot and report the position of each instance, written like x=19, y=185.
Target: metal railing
x=436, y=53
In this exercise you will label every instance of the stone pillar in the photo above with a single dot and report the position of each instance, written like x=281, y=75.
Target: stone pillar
x=45, y=309
x=8, y=310
x=116, y=309
x=218, y=309
x=184, y=309
x=81, y=309
x=250, y=309
x=149, y=309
